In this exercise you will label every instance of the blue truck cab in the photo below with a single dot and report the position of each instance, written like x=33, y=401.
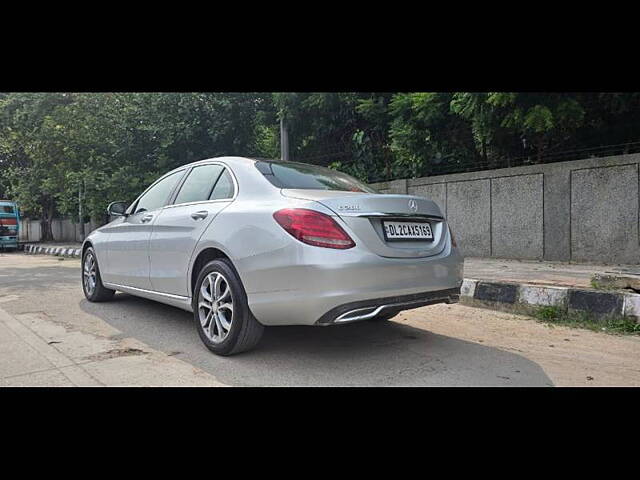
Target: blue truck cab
x=9, y=224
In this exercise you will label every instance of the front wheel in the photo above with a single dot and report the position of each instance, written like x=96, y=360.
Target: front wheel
x=221, y=311
x=92, y=285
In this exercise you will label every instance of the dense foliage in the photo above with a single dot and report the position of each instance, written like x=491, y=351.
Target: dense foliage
x=110, y=146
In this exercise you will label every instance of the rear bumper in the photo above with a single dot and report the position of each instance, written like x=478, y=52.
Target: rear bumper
x=355, y=311
x=324, y=284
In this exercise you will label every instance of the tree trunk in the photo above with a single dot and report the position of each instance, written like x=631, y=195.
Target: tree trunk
x=387, y=164
x=485, y=157
x=540, y=147
x=45, y=223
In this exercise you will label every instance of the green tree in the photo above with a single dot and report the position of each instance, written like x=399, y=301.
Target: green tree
x=113, y=144
x=544, y=120
x=475, y=108
x=426, y=135
x=27, y=157
x=320, y=125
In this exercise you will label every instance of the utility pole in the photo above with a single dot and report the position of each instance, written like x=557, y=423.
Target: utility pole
x=80, y=216
x=284, y=141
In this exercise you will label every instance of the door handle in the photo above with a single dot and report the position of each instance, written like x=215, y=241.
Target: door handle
x=146, y=218
x=199, y=215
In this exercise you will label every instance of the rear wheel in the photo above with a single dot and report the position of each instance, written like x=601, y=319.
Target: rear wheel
x=92, y=285
x=221, y=311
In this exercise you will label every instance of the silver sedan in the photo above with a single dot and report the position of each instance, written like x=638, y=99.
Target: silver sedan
x=246, y=243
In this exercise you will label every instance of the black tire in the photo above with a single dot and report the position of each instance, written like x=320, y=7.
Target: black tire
x=100, y=293
x=384, y=316
x=245, y=331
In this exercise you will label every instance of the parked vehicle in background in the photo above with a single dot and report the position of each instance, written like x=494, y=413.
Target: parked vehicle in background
x=244, y=243
x=9, y=224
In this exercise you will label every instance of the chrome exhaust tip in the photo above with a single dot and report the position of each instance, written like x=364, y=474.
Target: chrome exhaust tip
x=359, y=314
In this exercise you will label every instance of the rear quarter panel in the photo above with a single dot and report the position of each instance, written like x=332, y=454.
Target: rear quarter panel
x=249, y=235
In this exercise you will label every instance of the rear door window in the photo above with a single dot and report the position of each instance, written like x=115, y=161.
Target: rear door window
x=224, y=187
x=199, y=184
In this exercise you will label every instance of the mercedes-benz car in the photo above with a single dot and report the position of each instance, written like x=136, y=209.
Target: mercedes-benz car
x=246, y=243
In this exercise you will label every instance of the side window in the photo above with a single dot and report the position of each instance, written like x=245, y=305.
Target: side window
x=224, y=188
x=157, y=196
x=199, y=184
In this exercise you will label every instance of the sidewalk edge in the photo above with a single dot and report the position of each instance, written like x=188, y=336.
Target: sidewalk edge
x=483, y=293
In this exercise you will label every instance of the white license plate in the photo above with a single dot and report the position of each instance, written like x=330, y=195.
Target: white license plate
x=407, y=231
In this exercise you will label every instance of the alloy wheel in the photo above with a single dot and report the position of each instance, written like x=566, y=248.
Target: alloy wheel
x=89, y=274
x=215, y=307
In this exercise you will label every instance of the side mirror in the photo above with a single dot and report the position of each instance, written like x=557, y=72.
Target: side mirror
x=117, y=209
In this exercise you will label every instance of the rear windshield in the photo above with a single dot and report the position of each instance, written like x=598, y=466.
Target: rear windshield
x=6, y=209
x=310, y=177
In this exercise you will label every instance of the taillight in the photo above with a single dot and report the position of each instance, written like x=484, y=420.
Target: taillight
x=313, y=228
x=453, y=239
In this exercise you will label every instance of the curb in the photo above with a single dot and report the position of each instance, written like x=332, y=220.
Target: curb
x=504, y=294
x=31, y=249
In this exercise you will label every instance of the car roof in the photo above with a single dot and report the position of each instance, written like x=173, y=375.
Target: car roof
x=229, y=160
x=235, y=160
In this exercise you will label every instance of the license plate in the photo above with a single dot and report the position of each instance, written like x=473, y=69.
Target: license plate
x=407, y=231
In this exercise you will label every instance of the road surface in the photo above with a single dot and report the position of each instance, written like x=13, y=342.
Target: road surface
x=443, y=345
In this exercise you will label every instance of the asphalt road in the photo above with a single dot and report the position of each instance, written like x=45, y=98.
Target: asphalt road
x=438, y=345
x=406, y=352
x=359, y=354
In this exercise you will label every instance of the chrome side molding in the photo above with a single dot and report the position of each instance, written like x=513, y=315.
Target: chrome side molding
x=175, y=300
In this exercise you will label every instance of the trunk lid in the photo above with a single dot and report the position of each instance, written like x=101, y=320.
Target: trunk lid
x=366, y=213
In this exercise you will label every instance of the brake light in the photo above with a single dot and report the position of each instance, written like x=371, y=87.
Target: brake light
x=313, y=228
x=453, y=239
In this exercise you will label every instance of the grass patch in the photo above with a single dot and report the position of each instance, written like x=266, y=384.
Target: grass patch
x=607, y=287
x=617, y=324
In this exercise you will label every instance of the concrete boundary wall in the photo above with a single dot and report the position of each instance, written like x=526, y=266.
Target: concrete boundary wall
x=583, y=210
x=64, y=230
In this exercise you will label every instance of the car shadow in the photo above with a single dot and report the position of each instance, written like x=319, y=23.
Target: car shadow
x=360, y=354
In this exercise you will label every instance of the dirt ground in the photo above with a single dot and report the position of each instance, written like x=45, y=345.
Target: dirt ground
x=569, y=356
